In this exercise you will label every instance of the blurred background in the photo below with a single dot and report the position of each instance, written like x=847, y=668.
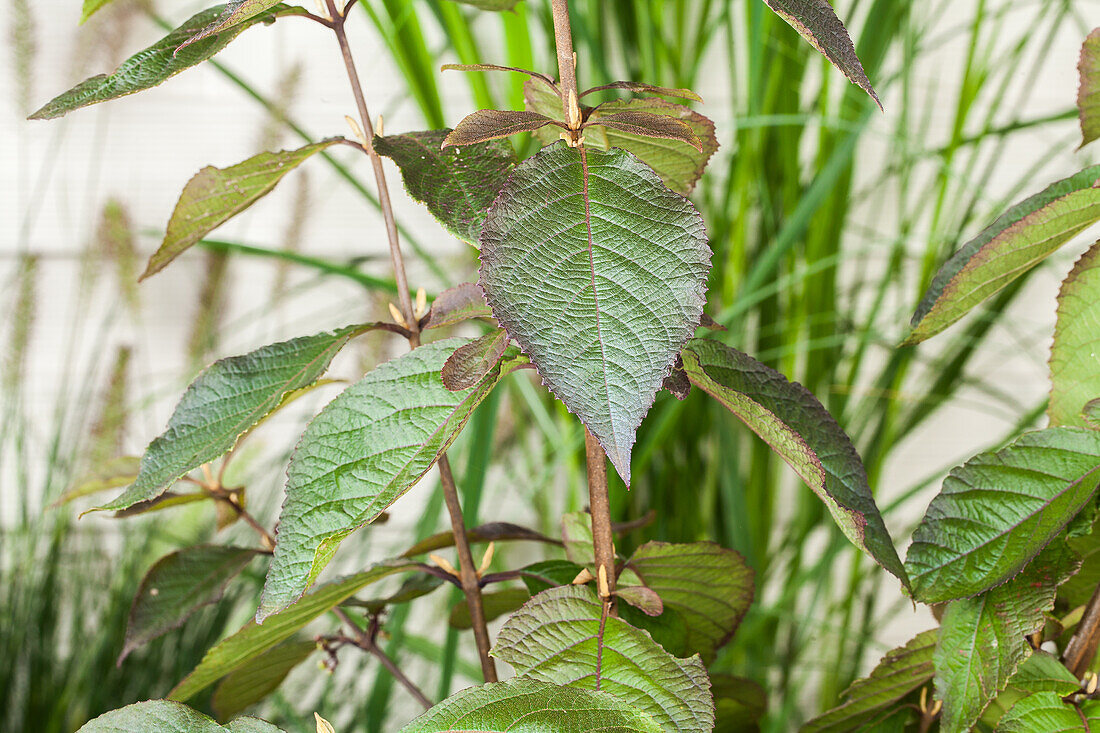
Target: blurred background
x=827, y=219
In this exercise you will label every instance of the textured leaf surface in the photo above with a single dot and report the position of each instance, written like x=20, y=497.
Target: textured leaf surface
x=527, y=706
x=492, y=124
x=457, y=184
x=215, y=195
x=797, y=427
x=816, y=21
x=254, y=639
x=259, y=677
x=236, y=12
x=710, y=586
x=999, y=510
x=155, y=64
x=458, y=304
x=1021, y=238
x=364, y=450
x=1042, y=672
x=472, y=362
x=647, y=124
x=556, y=637
x=639, y=87
x=678, y=164
x=1088, y=93
x=598, y=271
x=982, y=640
x=1044, y=712
x=1075, y=356
x=165, y=716
x=898, y=673
x=223, y=402
x=179, y=584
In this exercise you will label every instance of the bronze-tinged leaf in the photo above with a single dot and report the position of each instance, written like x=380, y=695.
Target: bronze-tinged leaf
x=490, y=124
x=648, y=124
x=235, y=13
x=491, y=532
x=457, y=304
x=643, y=88
x=494, y=67
x=1088, y=93
x=472, y=362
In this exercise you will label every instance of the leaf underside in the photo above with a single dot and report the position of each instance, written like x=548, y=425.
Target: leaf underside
x=360, y=454
x=650, y=125
x=223, y=402
x=797, y=427
x=598, y=272
x=1088, y=93
x=164, y=716
x=1017, y=241
x=492, y=124
x=996, y=512
x=556, y=637
x=472, y=362
x=458, y=304
x=1075, y=355
x=236, y=12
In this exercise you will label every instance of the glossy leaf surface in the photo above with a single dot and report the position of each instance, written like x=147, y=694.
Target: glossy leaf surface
x=558, y=637
x=996, y=512
x=364, y=450
x=598, y=272
x=1075, y=356
x=797, y=427
x=1088, y=93
x=165, y=716
x=223, y=402
x=1021, y=238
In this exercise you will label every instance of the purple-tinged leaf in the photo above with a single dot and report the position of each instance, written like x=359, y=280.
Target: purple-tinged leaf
x=493, y=67
x=816, y=21
x=643, y=88
x=648, y=124
x=491, y=532
x=1021, y=238
x=457, y=184
x=803, y=433
x=598, y=271
x=490, y=124
x=644, y=599
x=472, y=362
x=677, y=382
x=1088, y=93
x=240, y=11
x=177, y=585
x=458, y=304
x=1075, y=355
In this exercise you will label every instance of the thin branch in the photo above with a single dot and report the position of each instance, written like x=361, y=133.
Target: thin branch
x=1081, y=649
x=366, y=640
x=600, y=506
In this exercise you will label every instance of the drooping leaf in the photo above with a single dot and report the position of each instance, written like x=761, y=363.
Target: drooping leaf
x=678, y=164
x=710, y=586
x=1075, y=356
x=360, y=454
x=491, y=124
x=1045, y=712
x=1042, y=672
x=982, y=640
x=165, y=716
x=497, y=603
x=739, y=704
x=227, y=399
x=1088, y=93
x=899, y=673
x=648, y=124
x=576, y=533
x=1021, y=238
x=598, y=272
x=528, y=706
x=816, y=21
x=561, y=637
x=490, y=532
x=155, y=64
x=497, y=5
x=215, y=195
x=458, y=304
x=179, y=584
x=639, y=87
x=236, y=12
x=543, y=78
x=457, y=184
x=254, y=639
x=115, y=473
x=472, y=362
x=259, y=677
x=996, y=512
x=797, y=427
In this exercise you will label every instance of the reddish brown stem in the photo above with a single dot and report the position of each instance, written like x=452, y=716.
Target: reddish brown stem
x=1081, y=649
x=366, y=641
x=600, y=507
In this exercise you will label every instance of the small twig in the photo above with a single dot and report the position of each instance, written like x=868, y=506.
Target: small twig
x=1081, y=649
x=366, y=640
x=600, y=507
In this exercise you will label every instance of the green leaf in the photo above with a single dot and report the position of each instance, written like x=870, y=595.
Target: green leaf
x=254, y=639
x=1075, y=356
x=1021, y=238
x=1091, y=414
x=359, y=455
x=497, y=604
x=648, y=125
x=598, y=272
x=159, y=62
x=642, y=598
x=497, y=5
x=415, y=587
x=259, y=677
x=576, y=533
x=1042, y=672
x=458, y=304
x=710, y=586
x=899, y=673
x=1045, y=712
x=739, y=704
x=165, y=716
x=215, y=195
x=561, y=636
x=457, y=184
x=472, y=362
x=179, y=584
x=223, y=402
x=91, y=7
x=527, y=706
x=798, y=428
x=816, y=21
x=115, y=473
x=678, y=163
x=1088, y=93
x=489, y=532
x=999, y=510
x=982, y=640
x=491, y=124
x=639, y=87
x=235, y=13
x=547, y=574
